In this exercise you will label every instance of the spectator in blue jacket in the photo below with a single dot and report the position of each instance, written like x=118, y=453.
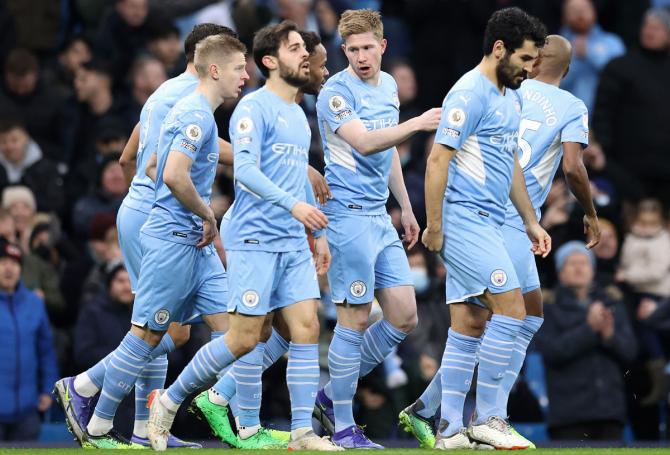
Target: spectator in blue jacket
x=28, y=368
x=593, y=48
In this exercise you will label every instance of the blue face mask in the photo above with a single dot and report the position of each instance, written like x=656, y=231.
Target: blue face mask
x=420, y=279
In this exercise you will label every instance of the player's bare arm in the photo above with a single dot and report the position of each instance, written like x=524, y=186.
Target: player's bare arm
x=150, y=169
x=519, y=196
x=129, y=154
x=322, y=256
x=225, y=152
x=399, y=191
x=177, y=176
x=367, y=142
x=319, y=185
x=578, y=181
x=437, y=172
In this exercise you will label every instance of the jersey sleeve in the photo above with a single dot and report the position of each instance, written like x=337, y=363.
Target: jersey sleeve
x=461, y=112
x=190, y=132
x=576, y=128
x=335, y=106
x=247, y=129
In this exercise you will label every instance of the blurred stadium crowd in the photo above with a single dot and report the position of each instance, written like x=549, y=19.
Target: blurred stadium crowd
x=75, y=74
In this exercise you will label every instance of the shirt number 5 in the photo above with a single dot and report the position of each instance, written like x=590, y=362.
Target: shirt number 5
x=524, y=145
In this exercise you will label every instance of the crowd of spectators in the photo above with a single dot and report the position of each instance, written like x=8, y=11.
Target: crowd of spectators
x=74, y=77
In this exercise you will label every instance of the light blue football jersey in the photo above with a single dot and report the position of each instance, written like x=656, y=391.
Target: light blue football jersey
x=550, y=116
x=189, y=128
x=142, y=189
x=482, y=124
x=359, y=184
x=273, y=135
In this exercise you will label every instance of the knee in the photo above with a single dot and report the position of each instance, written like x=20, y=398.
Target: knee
x=406, y=324
x=180, y=334
x=242, y=343
x=306, y=331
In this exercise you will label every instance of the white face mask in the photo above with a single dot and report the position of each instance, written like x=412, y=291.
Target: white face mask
x=420, y=279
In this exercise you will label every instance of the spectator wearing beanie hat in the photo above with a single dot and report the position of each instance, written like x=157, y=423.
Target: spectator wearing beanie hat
x=586, y=341
x=20, y=202
x=28, y=368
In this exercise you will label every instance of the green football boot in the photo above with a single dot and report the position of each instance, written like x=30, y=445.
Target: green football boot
x=284, y=436
x=530, y=443
x=261, y=440
x=111, y=440
x=419, y=427
x=216, y=417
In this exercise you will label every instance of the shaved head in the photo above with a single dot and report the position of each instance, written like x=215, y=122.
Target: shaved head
x=554, y=58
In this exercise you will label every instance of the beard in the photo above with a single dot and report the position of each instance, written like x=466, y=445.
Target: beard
x=506, y=73
x=292, y=77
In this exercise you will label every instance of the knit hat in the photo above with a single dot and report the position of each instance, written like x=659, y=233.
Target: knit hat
x=18, y=193
x=661, y=14
x=570, y=248
x=9, y=250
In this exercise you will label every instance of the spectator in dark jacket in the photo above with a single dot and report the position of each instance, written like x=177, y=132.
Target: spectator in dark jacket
x=28, y=368
x=111, y=189
x=630, y=118
x=102, y=324
x=44, y=113
x=23, y=163
x=586, y=340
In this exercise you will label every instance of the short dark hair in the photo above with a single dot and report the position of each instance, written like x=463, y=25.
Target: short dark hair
x=99, y=66
x=21, y=62
x=513, y=26
x=311, y=40
x=162, y=30
x=268, y=40
x=199, y=33
x=10, y=123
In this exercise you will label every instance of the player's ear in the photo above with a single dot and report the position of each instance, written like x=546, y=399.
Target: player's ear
x=567, y=70
x=499, y=49
x=269, y=61
x=383, y=44
x=213, y=71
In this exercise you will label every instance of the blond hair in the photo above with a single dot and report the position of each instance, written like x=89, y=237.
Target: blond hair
x=356, y=21
x=215, y=48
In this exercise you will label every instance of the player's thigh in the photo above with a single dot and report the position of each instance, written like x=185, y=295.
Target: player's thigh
x=354, y=252
x=166, y=283
x=468, y=319
x=210, y=296
x=475, y=257
x=250, y=278
x=508, y=303
x=295, y=279
x=518, y=247
x=128, y=224
x=391, y=265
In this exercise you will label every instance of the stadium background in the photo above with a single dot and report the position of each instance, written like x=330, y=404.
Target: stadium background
x=75, y=74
